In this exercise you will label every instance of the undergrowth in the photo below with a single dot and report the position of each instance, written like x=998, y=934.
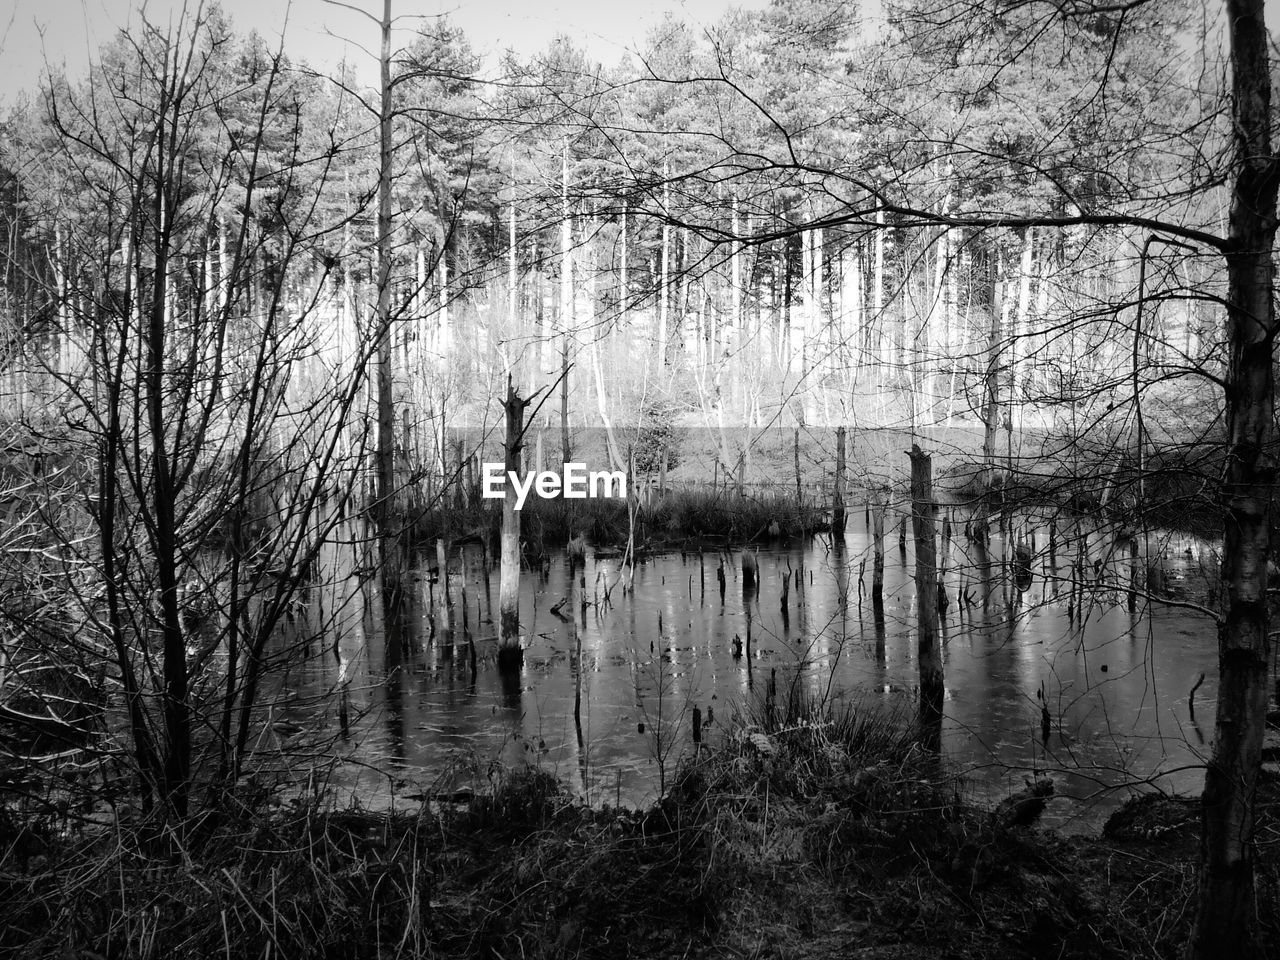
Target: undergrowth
x=805, y=832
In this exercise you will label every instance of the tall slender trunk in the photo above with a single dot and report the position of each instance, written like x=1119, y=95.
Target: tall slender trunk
x=683, y=301
x=732, y=337
x=817, y=327
x=58, y=261
x=1022, y=323
x=935, y=336
x=513, y=277
x=386, y=464
x=622, y=266
x=177, y=708
x=929, y=656
x=735, y=281
x=877, y=294
x=1225, y=921
x=666, y=267
x=877, y=567
x=442, y=327
x=991, y=380
x=602, y=402
x=567, y=319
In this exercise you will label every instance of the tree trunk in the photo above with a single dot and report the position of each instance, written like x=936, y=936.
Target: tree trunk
x=930, y=658
x=877, y=297
x=383, y=512
x=1225, y=920
x=990, y=406
x=795, y=447
x=662, y=290
x=837, y=493
x=622, y=265
x=510, y=653
x=177, y=707
x=1022, y=324
x=733, y=333
x=513, y=275
x=566, y=444
x=602, y=401
x=877, y=568
x=566, y=304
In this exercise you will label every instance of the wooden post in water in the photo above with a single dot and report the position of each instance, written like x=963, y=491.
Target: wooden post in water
x=566, y=445
x=444, y=627
x=1082, y=558
x=484, y=569
x=462, y=586
x=1134, y=567
x=799, y=490
x=942, y=564
x=929, y=656
x=877, y=570
x=510, y=653
x=837, y=493
x=749, y=572
x=577, y=676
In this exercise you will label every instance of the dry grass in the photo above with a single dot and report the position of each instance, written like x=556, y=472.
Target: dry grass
x=805, y=833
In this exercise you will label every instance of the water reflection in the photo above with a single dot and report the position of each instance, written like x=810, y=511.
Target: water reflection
x=1053, y=674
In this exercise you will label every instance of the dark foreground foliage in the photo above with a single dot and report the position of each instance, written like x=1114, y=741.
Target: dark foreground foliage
x=802, y=835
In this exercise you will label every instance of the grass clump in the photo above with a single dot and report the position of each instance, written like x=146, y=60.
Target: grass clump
x=306, y=882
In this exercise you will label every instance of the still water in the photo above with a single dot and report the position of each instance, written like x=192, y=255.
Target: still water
x=417, y=716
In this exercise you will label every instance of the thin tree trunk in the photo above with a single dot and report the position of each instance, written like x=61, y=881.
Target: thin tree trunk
x=513, y=277
x=1225, y=921
x=877, y=569
x=566, y=449
x=566, y=303
x=735, y=291
x=990, y=407
x=877, y=293
x=929, y=656
x=1022, y=325
x=177, y=708
x=510, y=653
x=662, y=290
x=602, y=401
x=795, y=446
x=386, y=464
x=837, y=494
x=622, y=266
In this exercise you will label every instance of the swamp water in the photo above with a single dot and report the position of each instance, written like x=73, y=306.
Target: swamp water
x=1115, y=683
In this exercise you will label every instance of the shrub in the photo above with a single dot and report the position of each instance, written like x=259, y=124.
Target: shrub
x=659, y=431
